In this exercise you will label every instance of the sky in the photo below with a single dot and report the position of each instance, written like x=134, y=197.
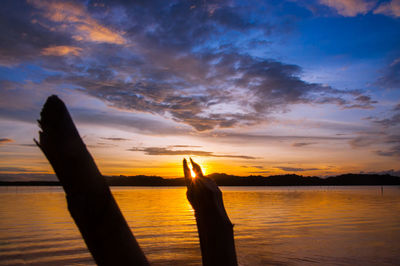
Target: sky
x=243, y=87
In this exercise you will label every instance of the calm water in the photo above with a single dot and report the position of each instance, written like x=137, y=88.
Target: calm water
x=273, y=226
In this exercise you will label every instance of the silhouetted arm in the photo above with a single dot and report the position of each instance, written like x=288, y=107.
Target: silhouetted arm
x=90, y=202
x=214, y=227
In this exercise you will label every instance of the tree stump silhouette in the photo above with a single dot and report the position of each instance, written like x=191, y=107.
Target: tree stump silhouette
x=89, y=199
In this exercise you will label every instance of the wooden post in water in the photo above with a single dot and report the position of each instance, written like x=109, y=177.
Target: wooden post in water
x=90, y=202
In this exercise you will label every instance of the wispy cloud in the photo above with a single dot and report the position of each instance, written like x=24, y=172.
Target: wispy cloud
x=390, y=121
x=302, y=144
x=389, y=8
x=73, y=17
x=362, y=141
x=61, y=50
x=390, y=78
x=167, y=151
x=350, y=8
x=261, y=172
x=10, y=169
x=253, y=166
x=394, y=150
x=5, y=140
x=295, y=169
x=115, y=139
x=184, y=146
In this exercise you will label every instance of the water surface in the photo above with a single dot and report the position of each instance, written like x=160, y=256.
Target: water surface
x=273, y=225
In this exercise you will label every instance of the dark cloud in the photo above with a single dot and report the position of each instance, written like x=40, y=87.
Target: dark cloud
x=362, y=141
x=394, y=150
x=5, y=140
x=164, y=58
x=386, y=172
x=391, y=76
x=253, y=166
x=261, y=172
x=27, y=177
x=362, y=102
x=184, y=146
x=295, y=169
x=394, y=120
x=167, y=151
x=302, y=144
x=21, y=38
x=28, y=145
x=7, y=169
x=13, y=169
x=390, y=129
x=115, y=139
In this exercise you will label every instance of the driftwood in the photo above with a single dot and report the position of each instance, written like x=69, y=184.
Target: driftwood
x=92, y=206
x=213, y=224
x=90, y=202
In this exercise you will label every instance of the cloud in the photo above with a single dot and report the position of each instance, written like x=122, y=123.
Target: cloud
x=72, y=17
x=302, y=144
x=253, y=166
x=61, y=50
x=115, y=139
x=391, y=76
x=244, y=137
x=261, y=172
x=167, y=151
x=362, y=141
x=13, y=169
x=394, y=150
x=257, y=88
x=20, y=39
x=28, y=145
x=389, y=8
x=386, y=134
x=5, y=140
x=27, y=177
x=386, y=172
x=392, y=121
x=184, y=146
x=167, y=61
x=350, y=8
x=295, y=169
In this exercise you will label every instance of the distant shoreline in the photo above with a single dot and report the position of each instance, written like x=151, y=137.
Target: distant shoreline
x=232, y=180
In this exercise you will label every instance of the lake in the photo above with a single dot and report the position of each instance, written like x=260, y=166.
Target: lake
x=273, y=225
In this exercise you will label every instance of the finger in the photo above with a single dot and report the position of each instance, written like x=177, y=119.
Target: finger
x=196, y=169
x=186, y=171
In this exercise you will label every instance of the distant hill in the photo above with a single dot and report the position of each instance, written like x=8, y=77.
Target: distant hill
x=232, y=180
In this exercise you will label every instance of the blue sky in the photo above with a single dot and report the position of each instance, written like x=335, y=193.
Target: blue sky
x=247, y=87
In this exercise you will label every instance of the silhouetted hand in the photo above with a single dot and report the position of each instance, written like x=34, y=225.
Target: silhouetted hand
x=214, y=227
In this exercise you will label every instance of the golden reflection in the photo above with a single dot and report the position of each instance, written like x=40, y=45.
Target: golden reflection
x=273, y=224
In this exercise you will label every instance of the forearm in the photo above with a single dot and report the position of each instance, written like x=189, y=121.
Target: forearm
x=216, y=239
